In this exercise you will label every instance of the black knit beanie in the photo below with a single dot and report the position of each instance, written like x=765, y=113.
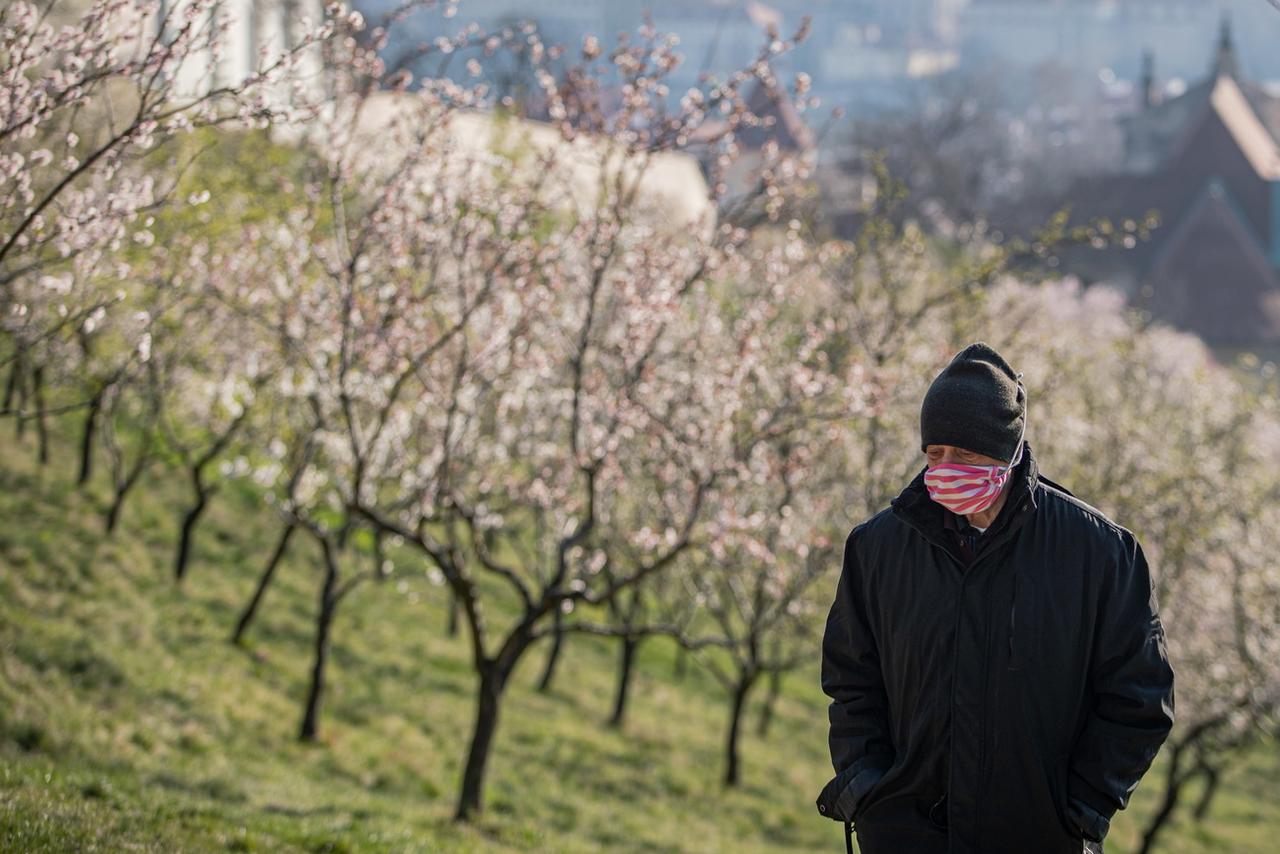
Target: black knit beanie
x=975, y=403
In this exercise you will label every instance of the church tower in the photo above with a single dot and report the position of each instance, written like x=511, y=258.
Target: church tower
x=1225, y=62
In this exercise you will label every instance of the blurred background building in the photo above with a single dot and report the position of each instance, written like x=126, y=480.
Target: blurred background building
x=1002, y=111
x=1208, y=163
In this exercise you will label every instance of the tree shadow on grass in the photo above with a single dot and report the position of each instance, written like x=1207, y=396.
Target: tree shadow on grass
x=212, y=788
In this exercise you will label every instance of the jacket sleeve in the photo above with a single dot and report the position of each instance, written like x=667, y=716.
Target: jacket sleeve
x=861, y=748
x=1132, y=686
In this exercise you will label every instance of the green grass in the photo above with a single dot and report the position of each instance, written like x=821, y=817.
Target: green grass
x=128, y=722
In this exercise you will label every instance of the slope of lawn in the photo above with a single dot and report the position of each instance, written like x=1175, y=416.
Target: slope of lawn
x=128, y=722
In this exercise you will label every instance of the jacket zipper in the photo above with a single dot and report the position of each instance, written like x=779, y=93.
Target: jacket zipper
x=1013, y=606
x=966, y=573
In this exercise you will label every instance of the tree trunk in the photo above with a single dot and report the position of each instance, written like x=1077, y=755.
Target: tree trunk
x=470, y=800
x=86, y=437
x=553, y=656
x=20, y=389
x=11, y=385
x=766, y=711
x=735, y=725
x=1212, y=776
x=263, y=581
x=123, y=490
x=131, y=478
x=682, y=663
x=328, y=602
x=452, y=628
x=1173, y=782
x=113, y=512
x=42, y=423
x=189, y=520
x=629, y=645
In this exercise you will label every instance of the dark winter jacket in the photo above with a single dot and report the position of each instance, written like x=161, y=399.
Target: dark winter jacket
x=1007, y=704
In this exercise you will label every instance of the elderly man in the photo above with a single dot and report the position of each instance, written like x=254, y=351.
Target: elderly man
x=994, y=656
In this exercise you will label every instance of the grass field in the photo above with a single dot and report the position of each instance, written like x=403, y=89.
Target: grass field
x=129, y=722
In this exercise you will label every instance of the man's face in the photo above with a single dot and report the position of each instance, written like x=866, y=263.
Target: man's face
x=949, y=454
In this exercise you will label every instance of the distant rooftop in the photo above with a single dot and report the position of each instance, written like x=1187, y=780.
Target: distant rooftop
x=1249, y=111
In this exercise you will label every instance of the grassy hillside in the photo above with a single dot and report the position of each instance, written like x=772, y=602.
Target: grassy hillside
x=127, y=721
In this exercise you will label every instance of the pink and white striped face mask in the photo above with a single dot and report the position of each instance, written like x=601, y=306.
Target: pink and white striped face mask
x=965, y=489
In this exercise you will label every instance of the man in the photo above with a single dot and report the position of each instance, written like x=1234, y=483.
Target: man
x=994, y=655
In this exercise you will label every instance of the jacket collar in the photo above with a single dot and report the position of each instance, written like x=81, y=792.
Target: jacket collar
x=914, y=506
